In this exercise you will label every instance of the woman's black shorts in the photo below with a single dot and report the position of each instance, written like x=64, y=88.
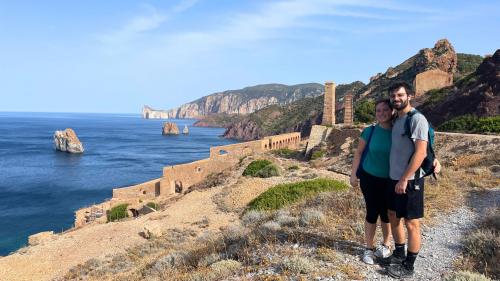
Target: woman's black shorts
x=375, y=193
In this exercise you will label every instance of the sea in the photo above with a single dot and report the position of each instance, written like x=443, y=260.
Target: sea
x=40, y=188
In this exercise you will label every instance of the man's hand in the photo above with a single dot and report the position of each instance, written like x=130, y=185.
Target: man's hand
x=437, y=166
x=354, y=181
x=401, y=186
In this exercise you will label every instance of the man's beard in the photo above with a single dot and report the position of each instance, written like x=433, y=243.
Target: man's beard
x=401, y=106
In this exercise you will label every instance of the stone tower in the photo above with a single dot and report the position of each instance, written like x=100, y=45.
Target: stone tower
x=329, y=104
x=348, y=110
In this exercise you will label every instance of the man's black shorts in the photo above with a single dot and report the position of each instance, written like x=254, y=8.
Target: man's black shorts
x=409, y=205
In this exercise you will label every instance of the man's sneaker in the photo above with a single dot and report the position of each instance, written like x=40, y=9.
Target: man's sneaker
x=368, y=257
x=390, y=260
x=400, y=271
x=382, y=251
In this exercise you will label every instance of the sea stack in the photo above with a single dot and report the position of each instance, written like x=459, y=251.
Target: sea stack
x=185, y=131
x=170, y=129
x=67, y=141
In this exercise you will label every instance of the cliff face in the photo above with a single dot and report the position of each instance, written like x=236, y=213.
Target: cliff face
x=478, y=93
x=245, y=101
x=149, y=113
x=442, y=57
x=298, y=116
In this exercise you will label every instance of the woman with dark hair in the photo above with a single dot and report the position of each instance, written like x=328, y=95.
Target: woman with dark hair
x=371, y=167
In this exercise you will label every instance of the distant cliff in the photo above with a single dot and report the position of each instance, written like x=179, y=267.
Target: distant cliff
x=149, y=113
x=244, y=101
x=298, y=116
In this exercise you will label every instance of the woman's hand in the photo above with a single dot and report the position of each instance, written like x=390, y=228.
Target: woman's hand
x=437, y=166
x=354, y=181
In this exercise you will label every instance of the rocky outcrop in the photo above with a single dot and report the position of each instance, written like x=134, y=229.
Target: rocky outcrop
x=246, y=100
x=185, y=131
x=149, y=113
x=170, y=128
x=477, y=94
x=67, y=141
x=41, y=238
x=442, y=57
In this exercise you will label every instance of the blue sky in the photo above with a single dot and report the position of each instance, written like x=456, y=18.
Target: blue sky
x=116, y=56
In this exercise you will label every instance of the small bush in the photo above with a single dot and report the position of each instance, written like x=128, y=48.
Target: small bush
x=225, y=268
x=253, y=217
x=283, y=218
x=317, y=154
x=117, y=212
x=286, y=153
x=364, y=111
x=284, y=194
x=268, y=171
x=466, y=276
x=153, y=205
x=255, y=166
x=472, y=124
x=482, y=247
x=298, y=265
x=293, y=168
x=270, y=227
x=311, y=217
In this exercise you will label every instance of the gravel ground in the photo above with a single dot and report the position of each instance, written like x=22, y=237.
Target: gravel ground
x=441, y=243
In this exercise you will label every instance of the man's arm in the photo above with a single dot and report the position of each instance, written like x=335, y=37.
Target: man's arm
x=413, y=166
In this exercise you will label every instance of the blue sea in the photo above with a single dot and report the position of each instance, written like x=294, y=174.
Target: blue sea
x=40, y=188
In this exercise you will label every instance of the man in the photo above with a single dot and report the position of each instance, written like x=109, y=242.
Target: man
x=407, y=199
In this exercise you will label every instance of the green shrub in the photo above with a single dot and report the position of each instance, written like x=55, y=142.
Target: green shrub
x=298, y=265
x=153, y=205
x=482, y=247
x=286, y=153
x=284, y=194
x=364, y=111
x=292, y=168
x=317, y=154
x=268, y=171
x=255, y=166
x=472, y=124
x=117, y=212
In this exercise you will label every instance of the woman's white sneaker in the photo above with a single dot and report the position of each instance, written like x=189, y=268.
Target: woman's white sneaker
x=368, y=257
x=382, y=251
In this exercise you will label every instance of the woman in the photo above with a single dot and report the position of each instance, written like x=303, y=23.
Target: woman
x=373, y=175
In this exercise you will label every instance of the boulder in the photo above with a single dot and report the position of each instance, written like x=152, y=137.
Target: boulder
x=170, y=128
x=152, y=231
x=186, y=130
x=41, y=238
x=67, y=141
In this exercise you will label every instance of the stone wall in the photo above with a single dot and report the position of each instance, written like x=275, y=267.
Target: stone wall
x=318, y=134
x=431, y=79
x=178, y=178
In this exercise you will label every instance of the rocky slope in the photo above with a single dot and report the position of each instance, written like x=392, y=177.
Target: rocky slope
x=295, y=117
x=442, y=57
x=149, y=113
x=246, y=100
x=478, y=94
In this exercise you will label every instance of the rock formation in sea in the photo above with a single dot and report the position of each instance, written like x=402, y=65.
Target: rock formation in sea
x=185, y=131
x=67, y=141
x=170, y=128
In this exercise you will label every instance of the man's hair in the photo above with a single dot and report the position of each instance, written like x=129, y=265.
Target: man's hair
x=395, y=86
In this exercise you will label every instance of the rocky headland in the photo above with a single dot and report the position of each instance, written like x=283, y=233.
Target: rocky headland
x=67, y=141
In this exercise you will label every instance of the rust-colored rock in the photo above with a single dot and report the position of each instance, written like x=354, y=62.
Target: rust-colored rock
x=170, y=128
x=67, y=141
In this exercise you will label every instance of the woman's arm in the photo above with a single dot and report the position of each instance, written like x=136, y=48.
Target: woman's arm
x=356, y=160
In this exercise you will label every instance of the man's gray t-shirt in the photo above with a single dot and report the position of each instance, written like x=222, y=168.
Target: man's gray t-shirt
x=402, y=148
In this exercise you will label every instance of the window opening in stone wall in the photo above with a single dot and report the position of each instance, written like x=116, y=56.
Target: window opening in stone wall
x=178, y=186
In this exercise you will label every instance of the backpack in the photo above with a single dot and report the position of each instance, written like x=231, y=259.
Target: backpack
x=365, y=152
x=427, y=166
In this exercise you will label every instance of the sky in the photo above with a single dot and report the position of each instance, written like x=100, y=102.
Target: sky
x=115, y=56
